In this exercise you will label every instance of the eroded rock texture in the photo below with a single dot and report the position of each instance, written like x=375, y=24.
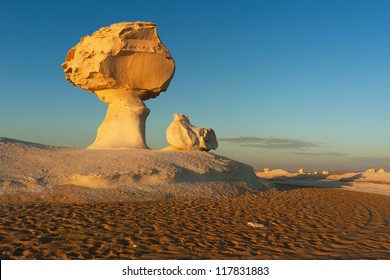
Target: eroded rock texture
x=182, y=135
x=123, y=64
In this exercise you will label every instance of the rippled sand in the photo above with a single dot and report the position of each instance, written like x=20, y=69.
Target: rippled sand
x=299, y=223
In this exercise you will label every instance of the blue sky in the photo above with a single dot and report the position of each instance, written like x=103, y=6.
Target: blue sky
x=284, y=84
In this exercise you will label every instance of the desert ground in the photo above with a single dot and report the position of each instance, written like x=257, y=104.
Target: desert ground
x=49, y=212
x=295, y=223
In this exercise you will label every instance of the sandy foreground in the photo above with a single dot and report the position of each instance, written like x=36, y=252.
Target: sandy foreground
x=296, y=223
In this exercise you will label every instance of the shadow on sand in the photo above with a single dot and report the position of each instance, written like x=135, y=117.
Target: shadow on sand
x=285, y=183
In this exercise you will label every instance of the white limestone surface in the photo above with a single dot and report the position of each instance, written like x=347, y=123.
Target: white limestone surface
x=356, y=181
x=182, y=135
x=82, y=175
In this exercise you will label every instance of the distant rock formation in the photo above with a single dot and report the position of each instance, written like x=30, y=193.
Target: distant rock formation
x=325, y=172
x=124, y=65
x=280, y=172
x=182, y=135
x=381, y=170
x=371, y=170
x=301, y=171
x=266, y=170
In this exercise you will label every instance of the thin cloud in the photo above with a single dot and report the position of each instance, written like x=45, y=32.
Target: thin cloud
x=334, y=154
x=270, y=142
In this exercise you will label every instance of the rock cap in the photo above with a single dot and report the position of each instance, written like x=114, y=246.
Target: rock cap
x=125, y=56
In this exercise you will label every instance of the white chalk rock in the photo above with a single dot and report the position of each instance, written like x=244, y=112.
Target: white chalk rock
x=371, y=170
x=381, y=170
x=256, y=225
x=182, y=135
x=123, y=64
x=301, y=171
x=325, y=172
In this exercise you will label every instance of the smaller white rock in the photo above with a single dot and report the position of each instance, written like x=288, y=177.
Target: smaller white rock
x=255, y=225
x=182, y=135
x=301, y=171
x=371, y=170
x=381, y=170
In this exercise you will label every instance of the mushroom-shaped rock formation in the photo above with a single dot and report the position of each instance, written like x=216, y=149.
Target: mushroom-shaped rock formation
x=124, y=65
x=182, y=135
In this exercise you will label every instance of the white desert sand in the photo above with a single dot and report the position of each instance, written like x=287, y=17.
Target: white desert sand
x=80, y=175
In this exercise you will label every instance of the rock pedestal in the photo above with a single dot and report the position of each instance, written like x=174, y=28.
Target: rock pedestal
x=123, y=64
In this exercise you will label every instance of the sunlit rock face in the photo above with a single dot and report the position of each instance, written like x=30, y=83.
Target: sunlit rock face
x=123, y=64
x=127, y=56
x=371, y=170
x=182, y=135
